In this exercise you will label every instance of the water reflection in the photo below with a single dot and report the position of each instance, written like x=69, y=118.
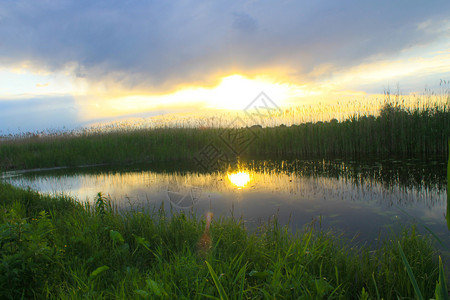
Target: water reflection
x=239, y=179
x=354, y=197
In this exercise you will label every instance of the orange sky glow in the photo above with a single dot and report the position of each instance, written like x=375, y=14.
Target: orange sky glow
x=153, y=71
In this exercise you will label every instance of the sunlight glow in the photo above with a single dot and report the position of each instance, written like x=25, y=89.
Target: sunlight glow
x=236, y=91
x=239, y=179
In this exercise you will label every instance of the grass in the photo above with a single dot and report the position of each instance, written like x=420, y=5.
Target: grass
x=447, y=216
x=395, y=131
x=54, y=247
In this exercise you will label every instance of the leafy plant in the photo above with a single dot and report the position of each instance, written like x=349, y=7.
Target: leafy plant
x=102, y=205
x=152, y=289
x=28, y=255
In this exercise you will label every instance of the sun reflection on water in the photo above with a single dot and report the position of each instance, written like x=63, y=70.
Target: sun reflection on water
x=239, y=179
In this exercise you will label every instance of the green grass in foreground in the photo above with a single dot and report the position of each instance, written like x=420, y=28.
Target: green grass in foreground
x=396, y=131
x=58, y=248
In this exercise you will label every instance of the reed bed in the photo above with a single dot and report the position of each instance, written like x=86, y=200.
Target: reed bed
x=59, y=248
x=395, y=131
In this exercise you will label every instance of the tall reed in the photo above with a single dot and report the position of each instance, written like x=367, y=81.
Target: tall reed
x=396, y=131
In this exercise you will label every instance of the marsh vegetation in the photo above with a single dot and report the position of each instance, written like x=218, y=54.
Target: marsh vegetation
x=57, y=247
x=61, y=247
x=395, y=132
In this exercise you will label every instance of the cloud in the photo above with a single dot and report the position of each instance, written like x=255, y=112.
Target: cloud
x=160, y=45
x=243, y=22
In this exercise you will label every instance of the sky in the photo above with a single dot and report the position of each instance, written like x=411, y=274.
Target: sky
x=65, y=64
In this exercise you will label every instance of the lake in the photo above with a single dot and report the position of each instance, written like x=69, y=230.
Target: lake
x=360, y=199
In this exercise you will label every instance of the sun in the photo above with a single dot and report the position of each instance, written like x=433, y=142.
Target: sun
x=235, y=92
x=239, y=179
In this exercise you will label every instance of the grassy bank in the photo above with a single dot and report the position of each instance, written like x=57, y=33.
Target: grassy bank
x=58, y=248
x=396, y=131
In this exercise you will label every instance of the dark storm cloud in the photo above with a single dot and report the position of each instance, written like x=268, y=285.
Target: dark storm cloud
x=159, y=44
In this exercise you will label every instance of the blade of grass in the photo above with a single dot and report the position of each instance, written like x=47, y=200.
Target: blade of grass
x=242, y=275
x=410, y=274
x=207, y=296
x=441, y=287
x=97, y=271
x=376, y=287
x=219, y=287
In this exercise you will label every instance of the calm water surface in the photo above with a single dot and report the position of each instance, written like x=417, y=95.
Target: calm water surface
x=356, y=198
